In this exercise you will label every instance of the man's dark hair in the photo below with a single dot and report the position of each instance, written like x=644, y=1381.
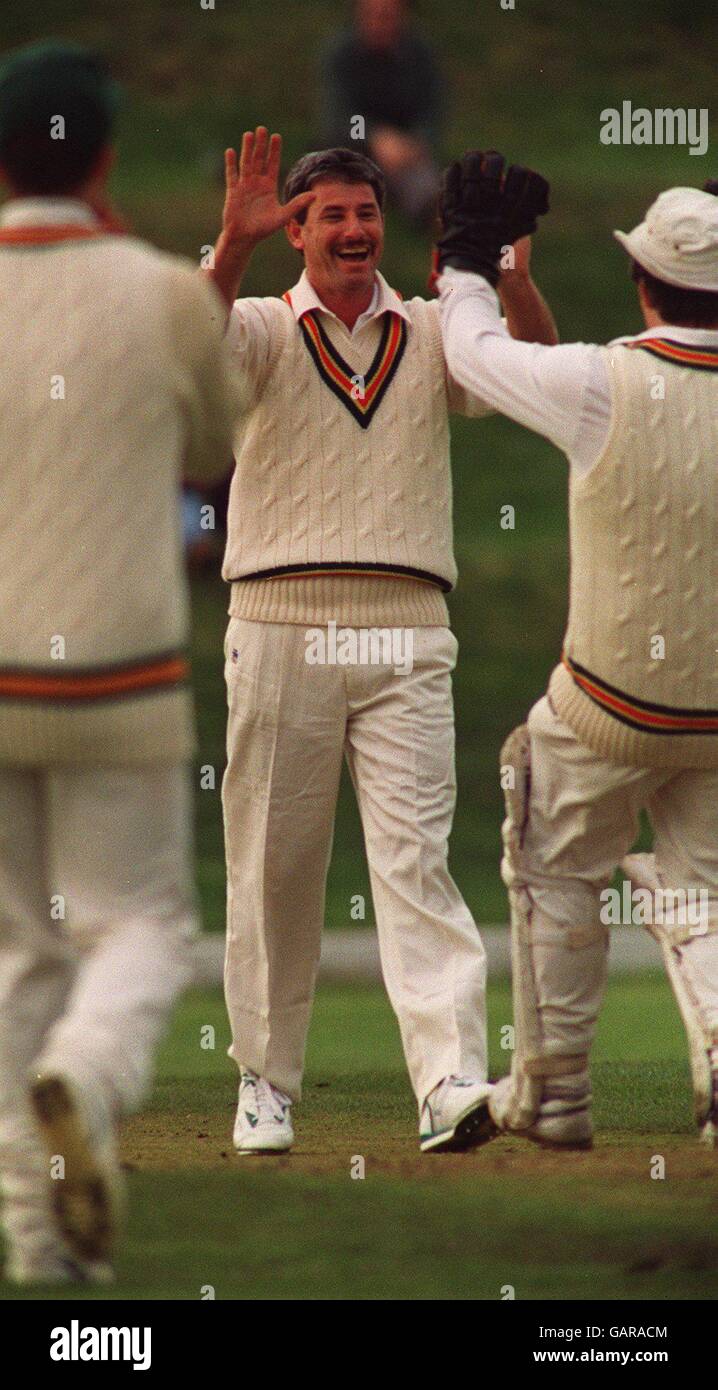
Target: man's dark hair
x=38, y=85
x=685, y=308
x=346, y=166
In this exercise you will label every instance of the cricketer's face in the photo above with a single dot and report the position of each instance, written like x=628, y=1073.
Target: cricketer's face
x=342, y=237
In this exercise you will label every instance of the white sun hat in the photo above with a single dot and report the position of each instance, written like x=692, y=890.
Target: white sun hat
x=678, y=239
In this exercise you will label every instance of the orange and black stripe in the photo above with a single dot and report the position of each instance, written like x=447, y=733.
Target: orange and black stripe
x=364, y=402
x=90, y=685
x=702, y=359
x=641, y=714
x=353, y=567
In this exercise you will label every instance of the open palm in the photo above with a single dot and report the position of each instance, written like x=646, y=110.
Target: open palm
x=252, y=210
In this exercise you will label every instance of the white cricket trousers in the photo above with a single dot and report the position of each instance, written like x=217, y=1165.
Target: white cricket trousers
x=290, y=724
x=96, y=914
x=582, y=817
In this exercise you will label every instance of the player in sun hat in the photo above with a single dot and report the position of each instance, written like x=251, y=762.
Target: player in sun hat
x=678, y=239
x=630, y=718
x=111, y=385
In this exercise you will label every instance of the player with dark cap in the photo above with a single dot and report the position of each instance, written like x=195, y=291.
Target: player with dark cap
x=111, y=385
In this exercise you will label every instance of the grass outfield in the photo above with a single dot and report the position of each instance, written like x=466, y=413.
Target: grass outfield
x=532, y=81
x=576, y=1226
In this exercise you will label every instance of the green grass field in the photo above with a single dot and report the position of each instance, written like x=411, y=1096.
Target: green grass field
x=532, y=82
x=577, y=1226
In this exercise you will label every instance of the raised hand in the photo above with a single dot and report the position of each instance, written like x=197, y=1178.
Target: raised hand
x=252, y=210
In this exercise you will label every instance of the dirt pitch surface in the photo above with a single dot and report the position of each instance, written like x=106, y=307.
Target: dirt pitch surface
x=636, y=1218
x=162, y=1142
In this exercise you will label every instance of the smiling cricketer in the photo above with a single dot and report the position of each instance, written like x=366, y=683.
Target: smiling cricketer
x=112, y=384
x=340, y=513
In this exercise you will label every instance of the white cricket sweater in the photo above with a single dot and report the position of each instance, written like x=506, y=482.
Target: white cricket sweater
x=639, y=678
x=340, y=506
x=111, y=384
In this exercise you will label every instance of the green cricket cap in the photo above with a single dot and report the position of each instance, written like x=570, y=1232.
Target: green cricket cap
x=56, y=78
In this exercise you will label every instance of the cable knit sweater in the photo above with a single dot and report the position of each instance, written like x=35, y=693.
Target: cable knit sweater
x=340, y=506
x=639, y=678
x=112, y=383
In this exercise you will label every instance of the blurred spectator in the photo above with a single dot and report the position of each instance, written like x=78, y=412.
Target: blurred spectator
x=382, y=71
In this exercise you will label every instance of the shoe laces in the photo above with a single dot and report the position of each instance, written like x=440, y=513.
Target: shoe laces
x=270, y=1102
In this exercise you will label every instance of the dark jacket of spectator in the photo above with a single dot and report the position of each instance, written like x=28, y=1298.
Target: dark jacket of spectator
x=399, y=86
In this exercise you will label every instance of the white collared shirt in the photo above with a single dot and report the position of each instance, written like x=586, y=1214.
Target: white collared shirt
x=560, y=392
x=45, y=212
x=304, y=297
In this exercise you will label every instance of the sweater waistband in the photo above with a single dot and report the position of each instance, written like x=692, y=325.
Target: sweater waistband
x=110, y=682
x=641, y=714
x=354, y=600
x=377, y=568
x=623, y=742
x=133, y=732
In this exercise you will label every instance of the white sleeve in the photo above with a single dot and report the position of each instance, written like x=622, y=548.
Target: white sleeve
x=463, y=402
x=561, y=392
x=248, y=339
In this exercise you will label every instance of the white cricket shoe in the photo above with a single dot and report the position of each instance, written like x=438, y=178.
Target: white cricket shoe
x=264, y=1117
x=455, y=1116
x=87, y=1199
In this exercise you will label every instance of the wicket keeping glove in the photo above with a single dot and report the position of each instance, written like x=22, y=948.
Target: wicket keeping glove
x=525, y=196
x=482, y=209
x=471, y=215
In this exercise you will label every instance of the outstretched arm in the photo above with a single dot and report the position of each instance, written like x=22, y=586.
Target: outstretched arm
x=488, y=213
x=252, y=210
x=528, y=317
x=560, y=392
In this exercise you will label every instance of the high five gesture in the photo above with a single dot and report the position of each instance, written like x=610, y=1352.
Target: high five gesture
x=252, y=210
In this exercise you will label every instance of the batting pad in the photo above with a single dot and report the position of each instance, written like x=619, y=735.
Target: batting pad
x=557, y=984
